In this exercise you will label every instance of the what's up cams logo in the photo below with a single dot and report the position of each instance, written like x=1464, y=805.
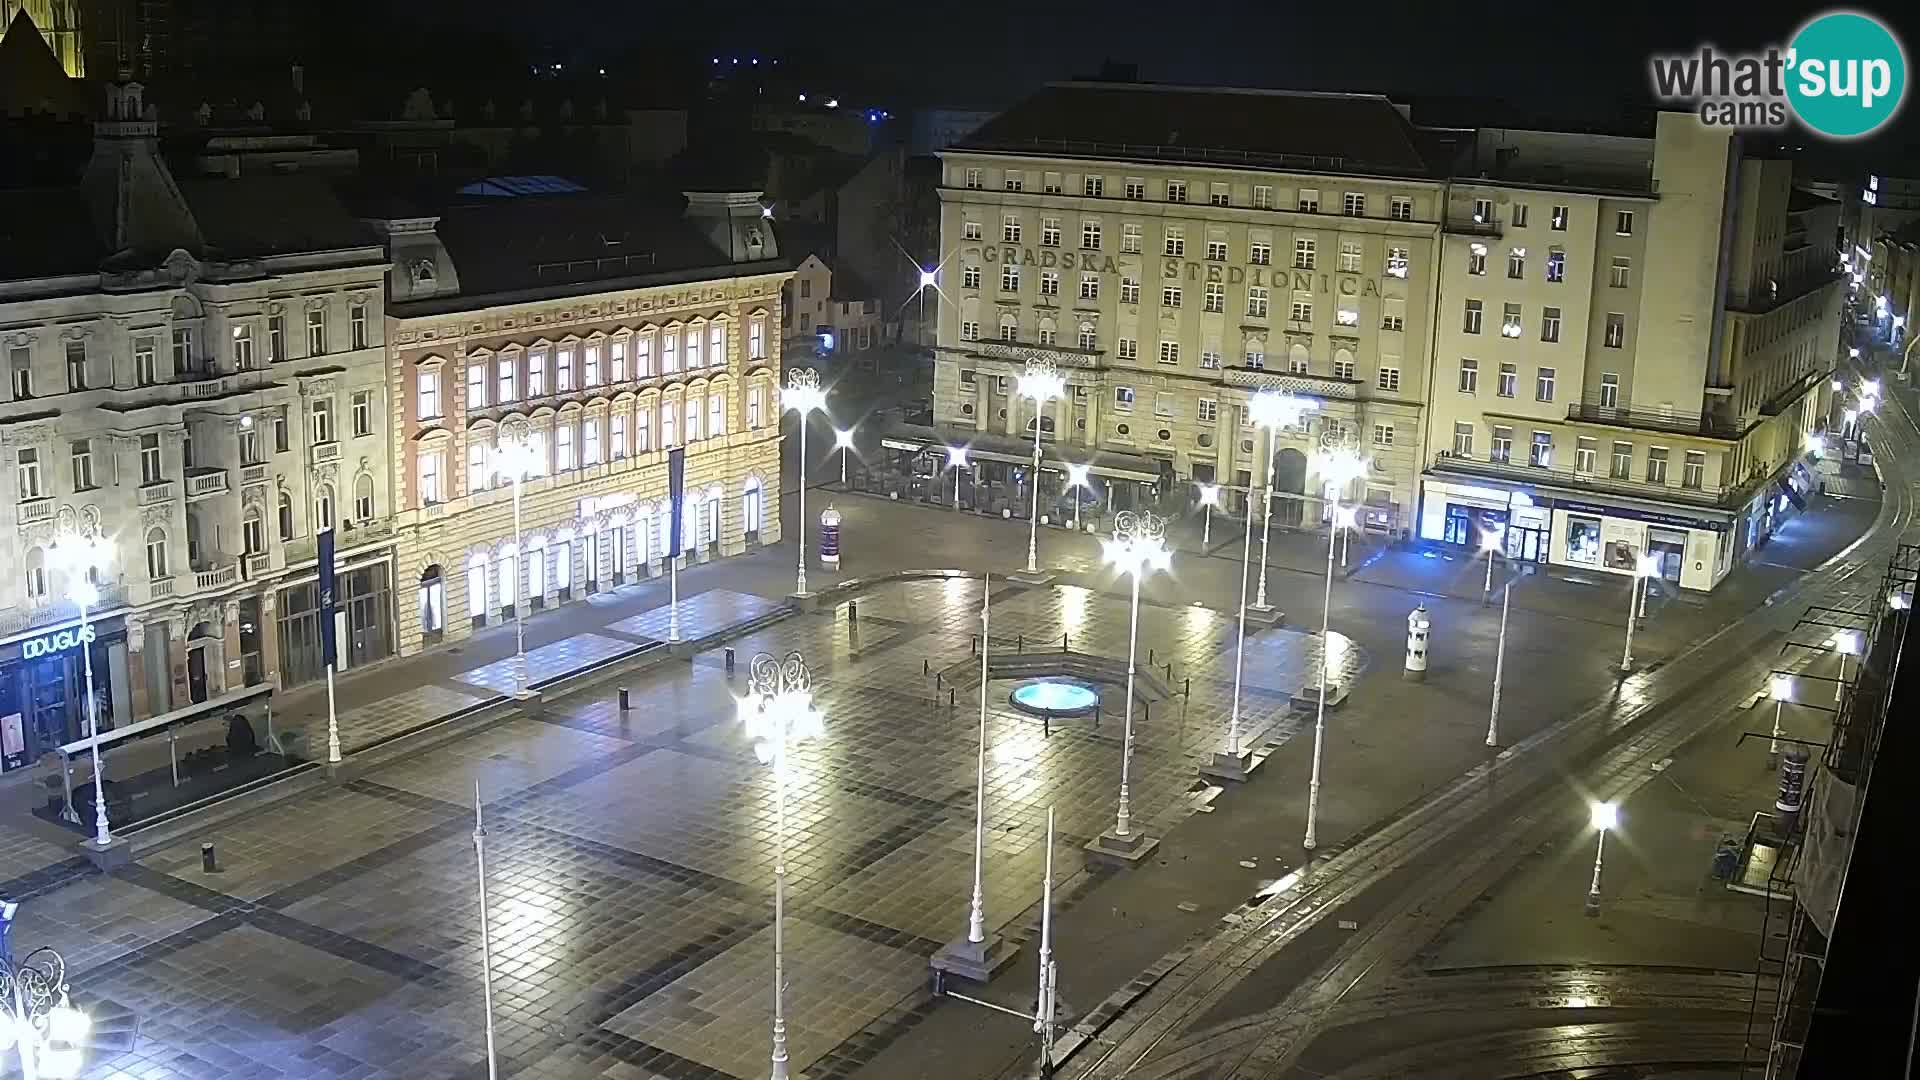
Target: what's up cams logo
x=1844, y=75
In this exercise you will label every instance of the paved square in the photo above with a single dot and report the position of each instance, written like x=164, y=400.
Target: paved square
x=701, y=614
x=547, y=661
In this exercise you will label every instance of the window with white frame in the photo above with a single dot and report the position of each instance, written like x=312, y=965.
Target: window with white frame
x=590, y=365
x=1215, y=296
x=1123, y=398
x=1693, y=470
x=1256, y=358
x=1510, y=321
x=1049, y=232
x=476, y=384
x=1550, y=324
x=1089, y=337
x=1129, y=290
x=590, y=441
x=320, y=419
x=361, y=412
x=1388, y=378
x=1217, y=195
x=478, y=472
x=357, y=325
x=1089, y=286
x=1397, y=262
x=1049, y=283
x=975, y=179
x=1656, y=465
x=509, y=370
x=276, y=338
x=1543, y=383
x=1623, y=222
x=1400, y=208
x=1176, y=242
x=1557, y=221
x=1540, y=451
x=643, y=357
x=643, y=429
x=1517, y=263
x=1165, y=406
x=969, y=277
x=1216, y=251
x=1616, y=333
x=563, y=446
x=1509, y=382
x=1309, y=201
x=1130, y=239
x=1476, y=259
x=1257, y=301
x=1346, y=316
x=1585, y=450
x=537, y=373
x=1383, y=435
x=1050, y=183
x=1262, y=197
x=1393, y=321
x=617, y=360
x=1093, y=187
x=1009, y=277
x=1169, y=352
x=970, y=230
x=1260, y=253
x=316, y=332
x=1620, y=273
x=1609, y=390
x=27, y=474
x=146, y=361
x=157, y=569
x=969, y=331
x=1136, y=188
x=1009, y=328
x=1010, y=230
x=430, y=469
x=1015, y=180
x=617, y=436
x=242, y=347
x=1298, y=363
x=1462, y=439
x=82, y=454
x=1556, y=266
x=1302, y=311
x=1045, y=335
x=1305, y=251
x=1469, y=376
x=1517, y=217
x=1349, y=256
x=1622, y=463
x=1177, y=191
x=1126, y=349
x=1207, y=411
x=1470, y=323
x=1170, y=296
x=1210, y=359
x=1500, y=447
x=1356, y=204
x=1483, y=211
x=1090, y=236
x=1343, y=367
x=427, y=394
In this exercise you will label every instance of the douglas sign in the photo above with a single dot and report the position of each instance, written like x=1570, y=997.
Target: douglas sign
x=59, y=641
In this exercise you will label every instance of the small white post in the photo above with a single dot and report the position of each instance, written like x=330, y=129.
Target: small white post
x=1499, y=666
x=486, y=939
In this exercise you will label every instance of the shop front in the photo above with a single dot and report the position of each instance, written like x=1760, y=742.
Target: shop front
x=1464, y=515
x=1692, y=552
x=363, y=615
x=43, y=699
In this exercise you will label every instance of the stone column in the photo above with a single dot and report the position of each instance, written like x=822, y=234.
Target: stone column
x=137, y=670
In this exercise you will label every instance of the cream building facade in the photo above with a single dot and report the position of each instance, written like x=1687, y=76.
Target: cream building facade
x=1174, y=251
x=194, y=370
x=1635, y=340
x=662, y=331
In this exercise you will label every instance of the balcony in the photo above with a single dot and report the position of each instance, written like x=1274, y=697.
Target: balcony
x=159, y=588
x=1704, y=425
x=1020, y=352
x=1561, y=477
x=1468, y=225
x=255, y=474
x=259, y=566
x=325, y=451
x=1308, y=385
x=202, y=482
x=156, y=493
x=217, y=578
x=18, y=619
x=34, y=511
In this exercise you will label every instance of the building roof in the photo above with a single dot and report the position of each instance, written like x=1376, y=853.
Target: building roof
x=1800, y=199
x=253, y=216
x=1354, y=133
x=46, y=232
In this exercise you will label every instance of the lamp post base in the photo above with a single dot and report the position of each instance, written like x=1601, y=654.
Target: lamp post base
x=1225, y=766
x=975, y=961
x=117, y=853
x=1129, y=850
x=1266, y=617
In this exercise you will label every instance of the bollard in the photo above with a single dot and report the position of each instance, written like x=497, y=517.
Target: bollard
x=853, y=612
x=626, y=700
x=1187, y=691
x=1019, y=643
x=207, y=860
x=1169, y=671
x=729, y=662
x=938, y=681
x=973, y=646
x=926, y=666
x=1149, y=657
x=1063, y=644
x=951, y=697
x=1146, y=711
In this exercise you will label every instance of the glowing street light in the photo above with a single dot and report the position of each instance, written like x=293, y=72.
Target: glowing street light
x=1042, y=382
x=1272, y=410
x=81, y=559
x=777, y=710
x=1077, y=478
x=956, y=460
x=1780, y=688
x=1209, y=498
x=804, y=396
x=1605, y=816
x=1499, y=666
x=1342, y=518
x=36, y=1017
x=1137, y=547
x=1846, y=643
x=519, y=454
x=843, y=442
x=1816, y=444
x=1644, y=567
x=1490, y=543
x=928, y=278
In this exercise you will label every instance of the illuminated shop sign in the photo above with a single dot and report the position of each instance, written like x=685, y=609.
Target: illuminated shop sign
x=58, y=641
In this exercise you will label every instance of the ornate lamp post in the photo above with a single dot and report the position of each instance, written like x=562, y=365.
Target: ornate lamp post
x=803, y=395
x=520, y=455
x=35, y=1016
x=1272, y=410
x=1139, y=545
x=1042, y=382
x=1846, y=643
x=1076, y=479
x=956, y=460
x=1606, y=816
x=1209, y=498
x=843, y=442
x=81, y=558
x=1644, y=566
x=1340, y=465
x=778, y=709
x=1490, y=544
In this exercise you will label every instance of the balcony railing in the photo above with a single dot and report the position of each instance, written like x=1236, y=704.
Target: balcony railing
x=1469, y=225
x=217, y=578
x=1560, y=476
x=160, y=588
x=254, y=474
x=1308, y=385
x=203, y=481
x=156, y=493
x=1705, y=425
x=325, y=452
x=26, y=617
x=259, y=566
x=1020, y=352
x=36, y=511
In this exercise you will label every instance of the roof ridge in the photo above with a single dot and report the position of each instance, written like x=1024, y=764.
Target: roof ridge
x=1251, y=91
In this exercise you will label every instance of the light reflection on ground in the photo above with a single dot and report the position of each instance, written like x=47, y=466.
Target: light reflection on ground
x=1055, y=698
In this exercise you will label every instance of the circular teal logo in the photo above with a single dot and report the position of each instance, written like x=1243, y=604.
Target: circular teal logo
x=1846, y=74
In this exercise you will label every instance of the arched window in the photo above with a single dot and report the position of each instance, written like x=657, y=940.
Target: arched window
x=37, y=574
x=363, y=498
x=253, y=533
x=432, y=601
x=156, y=554
x=750, y=508
x=323, y=508
x=286, y=517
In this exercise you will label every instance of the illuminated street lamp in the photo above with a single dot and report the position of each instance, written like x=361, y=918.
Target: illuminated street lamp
x=776, y=710
x=1816, y=444
x=1780, y=688
x=1490, y=543
x=519, y=454
x=1272, y=410
x=81, y=560
x=1846, y=643
x=1342, y=518
x=956, y=460
x=1644, y=566
x=1077, y=478
x=843, y=442
x=1605, y=815
x=36, y=1017
x=1138, y=546
x=1499, y=666
x=1209, y=498
x=803, y=395
x=1042, y=382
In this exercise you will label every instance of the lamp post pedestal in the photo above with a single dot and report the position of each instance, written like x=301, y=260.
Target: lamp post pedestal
x=975, y=961
x=1228, y=766
x=115, y=853
x=1129, y=850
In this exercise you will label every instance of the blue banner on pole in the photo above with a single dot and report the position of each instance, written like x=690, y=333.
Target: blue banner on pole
x=677, y=487
x=329, y=649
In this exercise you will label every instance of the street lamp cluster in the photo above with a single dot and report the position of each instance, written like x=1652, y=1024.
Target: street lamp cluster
x=81, y=558
x=804, y=396
x=37, y=1019
x=1139, y=545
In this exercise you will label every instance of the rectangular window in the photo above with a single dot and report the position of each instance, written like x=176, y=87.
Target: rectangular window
x=1089, y=286
x=1550, y=324
x=974, y=179
x=1177, y=191
x=1657, y=465
x=76, y=365
x=508, y=373
x=1343, y=369
x=1129, y=291
x=150, y=470
x=757, y=338
x=1210, y=359
x=1623, y=222
x=1262, y=197
x=1218, y=195
x=1559, y=222
x=617, y=361
x=590, y=441
x=1388, y=379
x=1169, y=352
x=1500, y=448
x=971, y=230
x=1400, y=208
x=426, y=396
x=1509, y=381
x=1693, y=471
x=1207, y=411
x=1302, y=312
x=362, y=412
x=617, y=435
x=1308, y=201
x=669, y=359
x=1015, y=181
x=29, y=474
x=1543, y=380
x=1305, y=251
x=1609, y=390
x=562, y=447
x=1540, y=453
x=1483, y=211
x=590, y=365
x=1349, y=256
x=1051, y=184
x=1260, y=254
x=1049, y=232
x=1469, y=376
x=1130, y=239
x=969, y=331
x=1510, y=321
x=1477, y=259
x=1395, y=323
x=1518, y=215
x=1383, y=435
x=1049, y=283
x=1585, y=451
x=249, y=446
x=182, y=350
x=320, y=420
x=1090, y=235
x=281, y=430
x=1126, y=349
x=1397, y=262
x=1616, y=330
x=1170, y=296
x=1556, y=266
x=1356, y=205
x=1621, y=272
x=476, y=384
x=1256, y=359
x=1346, y=316
x=1176, y=242
x=242, y=348
x=1136, y=188
x=1256, y=302
x=276, y=338
x=430, y=477
x=1517, y=263
x=1089, y=337
x=1163, y=406
x=1216, y=251
x=1298, y=364
x=1622, y=468
x=969, y=277
x=1123, y=398
x=537, y=373
x=1009, y=278
x=1216, y=297
x=1010, y=230
x=1462, y=439
x=357, y=325
x=316, y=332
x=146, y=361
x=563, y=362
x=643, y=430
x=1093, y=187
x=478, y=473
x=1471, y=323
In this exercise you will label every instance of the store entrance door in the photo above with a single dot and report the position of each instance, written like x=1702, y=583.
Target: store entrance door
x=1527, y=543
x=197, y=674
